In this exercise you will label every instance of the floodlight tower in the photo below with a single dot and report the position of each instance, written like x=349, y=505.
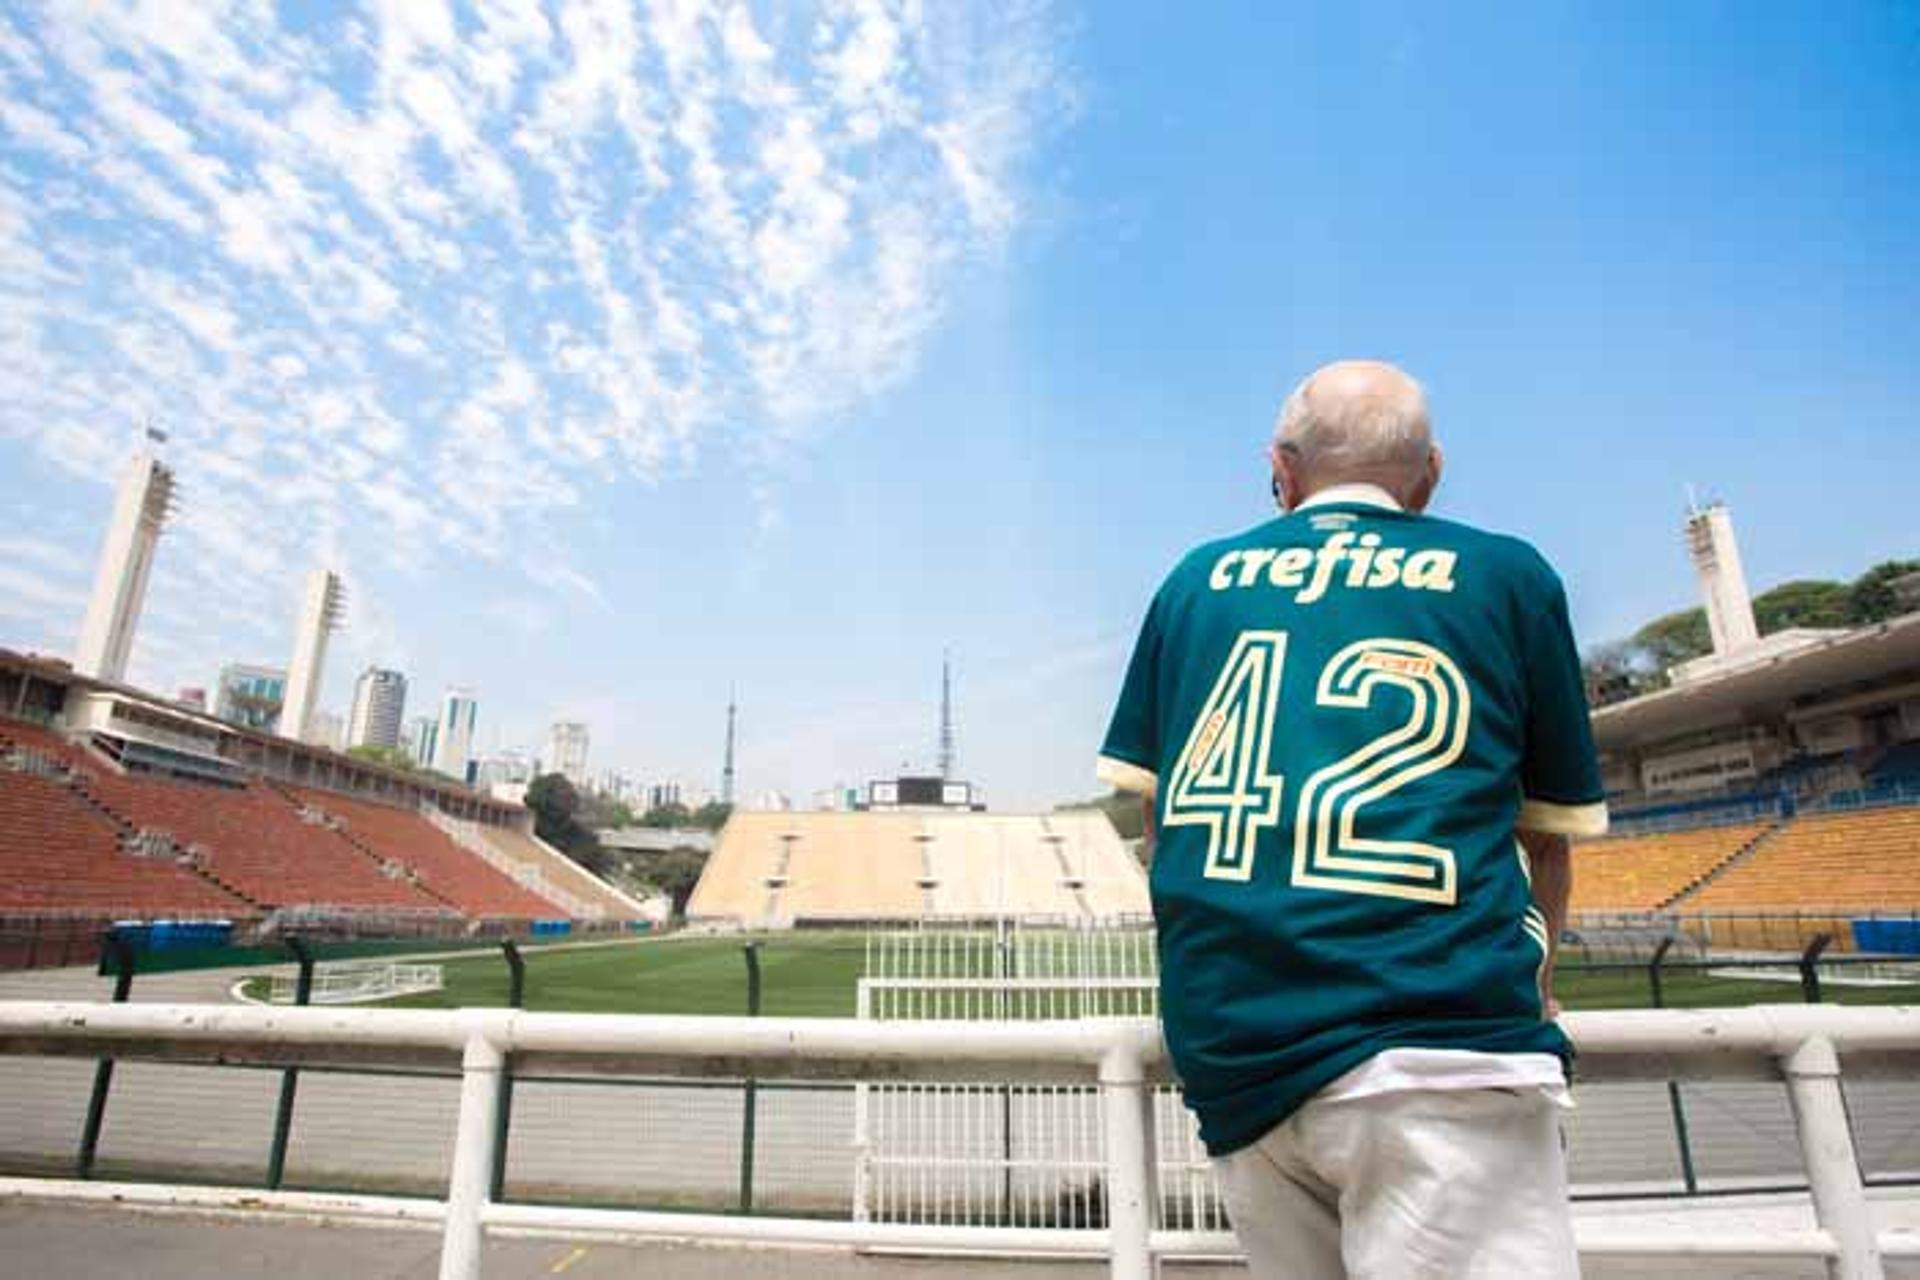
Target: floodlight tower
x=1716, y=558
x=140, y=509
x=946, y=716
x=320, y=610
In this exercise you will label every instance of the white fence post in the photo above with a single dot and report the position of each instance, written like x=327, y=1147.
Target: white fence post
x=1826, y=1144
x=1127, y=1108
x=473, y=1152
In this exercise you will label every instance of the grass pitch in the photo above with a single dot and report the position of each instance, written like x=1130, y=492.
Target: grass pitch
x=813, y=975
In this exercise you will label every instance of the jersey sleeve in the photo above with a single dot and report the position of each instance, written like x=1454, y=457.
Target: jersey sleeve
x=1560, y=774
x=1130, y=756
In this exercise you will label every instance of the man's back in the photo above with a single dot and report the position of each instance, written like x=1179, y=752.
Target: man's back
x=1343, y=711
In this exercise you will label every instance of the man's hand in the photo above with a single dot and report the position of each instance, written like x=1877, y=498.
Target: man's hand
x=1550, y=867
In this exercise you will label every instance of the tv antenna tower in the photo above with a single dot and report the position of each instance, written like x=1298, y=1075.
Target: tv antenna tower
x=726, y=772
x=946, y=716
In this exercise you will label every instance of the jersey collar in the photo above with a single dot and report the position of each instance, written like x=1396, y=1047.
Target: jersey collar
x=1366, y=495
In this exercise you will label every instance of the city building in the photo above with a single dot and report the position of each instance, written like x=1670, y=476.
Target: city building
x=567, y=751
x=140, y=508
x=327, y=729
x=379, y=705
x=421, y=740
x=250, y=696
x=453, y=749
x=321, y=605
x=509, y=766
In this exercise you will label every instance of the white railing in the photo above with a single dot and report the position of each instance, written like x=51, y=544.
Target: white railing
x=1122, y=1058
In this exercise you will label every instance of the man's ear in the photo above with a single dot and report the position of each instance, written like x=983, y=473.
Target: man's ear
x=1423, y=491
x=1287, y=489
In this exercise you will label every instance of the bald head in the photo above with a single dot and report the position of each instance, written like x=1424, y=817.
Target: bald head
x=1356, y=422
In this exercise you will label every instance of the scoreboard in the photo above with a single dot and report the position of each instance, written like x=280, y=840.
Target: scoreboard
x=921, y=793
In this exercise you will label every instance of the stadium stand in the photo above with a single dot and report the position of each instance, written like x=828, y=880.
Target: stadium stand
x=540, y=869
x=1864, y=860
x=251, y=840
x=1643, y=872
x=445, y=870
x=783, y=868
x=57, y=854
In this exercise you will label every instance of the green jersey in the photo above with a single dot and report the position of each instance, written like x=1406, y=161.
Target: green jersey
x=1343, y=715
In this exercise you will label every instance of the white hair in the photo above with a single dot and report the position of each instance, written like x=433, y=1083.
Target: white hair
x=1355, y=422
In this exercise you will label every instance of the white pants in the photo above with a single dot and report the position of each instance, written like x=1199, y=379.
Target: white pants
x=1421, y=1185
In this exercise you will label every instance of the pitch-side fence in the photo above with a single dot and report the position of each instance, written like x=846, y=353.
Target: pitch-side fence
x=1806, y=1047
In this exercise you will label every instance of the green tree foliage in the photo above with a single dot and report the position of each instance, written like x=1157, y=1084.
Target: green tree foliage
x=675, y=873
x=387, y=757
x=1801, y=604
x=712, y=815
x=556, y=820
x=666, y=815
x=1871, y=598
x=1676, y=637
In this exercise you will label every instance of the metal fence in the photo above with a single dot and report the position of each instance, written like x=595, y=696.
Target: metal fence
x=1114, y=1061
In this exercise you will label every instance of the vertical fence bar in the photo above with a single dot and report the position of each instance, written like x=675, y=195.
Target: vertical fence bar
x=503, y=1119
x=1682, y=1138
x=460, y=1241
x=1810, y=967
x=289, y=1079
x=122, y=952
x=1129, y=1128
x=1833, y=1173
x=750, y=1102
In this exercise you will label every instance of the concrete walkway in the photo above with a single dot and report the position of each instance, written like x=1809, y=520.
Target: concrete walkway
x=104, y=1243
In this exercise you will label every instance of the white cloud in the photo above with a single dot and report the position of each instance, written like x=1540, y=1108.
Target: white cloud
x=409, y=282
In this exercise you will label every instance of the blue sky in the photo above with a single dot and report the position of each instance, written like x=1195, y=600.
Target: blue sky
x=620, y=354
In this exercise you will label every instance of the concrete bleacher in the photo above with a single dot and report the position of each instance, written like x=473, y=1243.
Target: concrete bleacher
x=454, y=876
x=250, y=839
x=1642, y=872
x=1866, y=860
x=779, y=868
x=543, y=870
x=57, y=854
x=852, y=866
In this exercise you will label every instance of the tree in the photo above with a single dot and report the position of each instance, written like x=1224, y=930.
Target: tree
x=386, y=757
x=1871, y=598
x=675, y=873
x=1801, y=604
x=1675, y=638
x=712, y=815
x=556, y=807
x=666, y=815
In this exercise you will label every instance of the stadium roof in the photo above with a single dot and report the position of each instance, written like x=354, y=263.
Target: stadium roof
x=1822, y=672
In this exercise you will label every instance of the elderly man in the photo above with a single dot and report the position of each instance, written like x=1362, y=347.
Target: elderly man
x=1362, y=737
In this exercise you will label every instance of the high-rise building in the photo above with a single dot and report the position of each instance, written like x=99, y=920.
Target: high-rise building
x=567, y=751
x=379, y=704
x=250, y=696
x=327, y=729
x=421, y=740
x=453, y=751
x=320, y=607
x=126, y=558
